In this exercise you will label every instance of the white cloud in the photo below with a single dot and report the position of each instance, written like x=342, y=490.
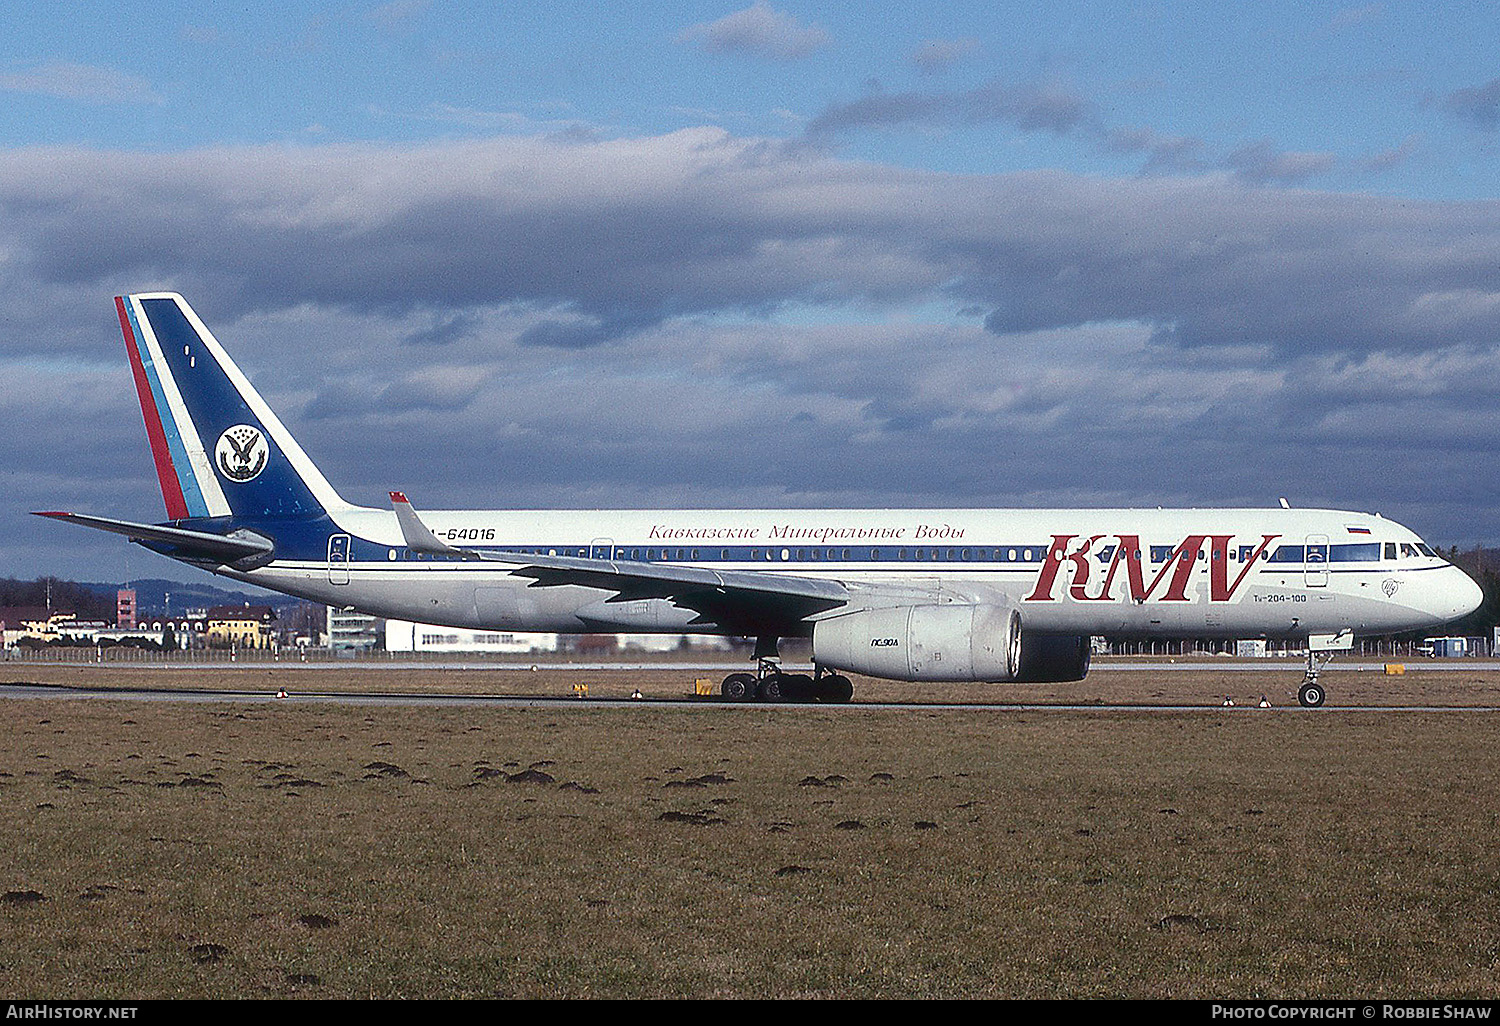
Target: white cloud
x=397, y=14
x=937, y=55
x=83, y=82
x=759, y=30
x=1051, y=105
x=1262, y=162
x=1478, y=106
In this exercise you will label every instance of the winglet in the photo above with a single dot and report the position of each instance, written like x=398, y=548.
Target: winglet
x=417, y=535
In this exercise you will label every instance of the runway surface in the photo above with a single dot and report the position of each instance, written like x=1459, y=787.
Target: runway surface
x=424, y=699
x=1289, y=665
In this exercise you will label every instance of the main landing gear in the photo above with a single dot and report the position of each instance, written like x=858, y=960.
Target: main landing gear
x=769, y=684
x=1311, y=694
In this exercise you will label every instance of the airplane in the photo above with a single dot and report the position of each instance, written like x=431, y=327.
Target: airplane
x=918, y=595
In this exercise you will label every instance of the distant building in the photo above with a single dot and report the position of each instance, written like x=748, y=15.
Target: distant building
x=125, y=609
x=672, y=642
x=35, y=622
x=240, y=626
x=81, y=630
x=405, y=636
x=1447, y=648
x=139, y=633
x=650, y=642
x=186, y=632
x=183, y=624
x=17, y=618
x=349, y=631
x=595, y=644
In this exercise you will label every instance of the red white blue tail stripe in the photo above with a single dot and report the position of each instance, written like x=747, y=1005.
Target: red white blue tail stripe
x=188, y=486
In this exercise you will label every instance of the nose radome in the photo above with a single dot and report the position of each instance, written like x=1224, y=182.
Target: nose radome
x=1467, y=595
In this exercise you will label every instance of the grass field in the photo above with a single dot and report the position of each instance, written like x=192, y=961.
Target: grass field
x=164, y=850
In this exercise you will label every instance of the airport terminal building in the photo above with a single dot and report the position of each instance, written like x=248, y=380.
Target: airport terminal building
x=405, y=636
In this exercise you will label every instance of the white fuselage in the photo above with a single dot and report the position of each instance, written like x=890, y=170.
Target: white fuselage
x=1126, y=572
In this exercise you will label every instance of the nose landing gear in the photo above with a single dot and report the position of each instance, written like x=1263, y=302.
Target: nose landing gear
x=1312, y=694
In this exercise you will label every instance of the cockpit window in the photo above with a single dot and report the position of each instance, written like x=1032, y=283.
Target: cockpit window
x=1410, y=550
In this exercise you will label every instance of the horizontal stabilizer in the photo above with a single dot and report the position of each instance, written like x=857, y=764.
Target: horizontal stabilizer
x=224, y=548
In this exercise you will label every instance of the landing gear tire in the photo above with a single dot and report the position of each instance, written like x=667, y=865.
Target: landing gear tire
x=835, y=689
x=788, y=687
x=799, y=687
x=1311, y=695
x=773, y=688
x=739, y=687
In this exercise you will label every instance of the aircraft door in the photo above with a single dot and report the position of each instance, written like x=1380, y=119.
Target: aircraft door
x=1315, y=561
x=602, y=548
x=338, y=559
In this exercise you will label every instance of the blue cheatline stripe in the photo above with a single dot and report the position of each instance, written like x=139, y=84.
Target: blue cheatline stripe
x=975, y=558
x=192, y=495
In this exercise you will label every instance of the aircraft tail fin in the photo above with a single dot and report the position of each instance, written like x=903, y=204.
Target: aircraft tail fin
x=219, y=449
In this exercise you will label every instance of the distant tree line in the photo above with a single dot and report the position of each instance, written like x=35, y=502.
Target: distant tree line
x=67, y=596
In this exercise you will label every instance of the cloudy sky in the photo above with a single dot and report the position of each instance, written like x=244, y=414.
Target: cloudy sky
x=785, y=254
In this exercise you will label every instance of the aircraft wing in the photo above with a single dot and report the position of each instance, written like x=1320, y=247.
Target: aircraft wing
x=739, y=601
x=188, y=544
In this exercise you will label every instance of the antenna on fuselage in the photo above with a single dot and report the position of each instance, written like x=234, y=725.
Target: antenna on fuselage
x=1285, y=504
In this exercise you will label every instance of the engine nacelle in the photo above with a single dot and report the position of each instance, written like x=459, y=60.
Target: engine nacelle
x=956, y=642
x=1054, y=658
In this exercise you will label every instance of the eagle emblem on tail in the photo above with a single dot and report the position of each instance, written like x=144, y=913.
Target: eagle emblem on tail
x=241, y=453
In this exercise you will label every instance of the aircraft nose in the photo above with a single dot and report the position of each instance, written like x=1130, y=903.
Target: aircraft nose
x=1467, y=594
x=1444, y=596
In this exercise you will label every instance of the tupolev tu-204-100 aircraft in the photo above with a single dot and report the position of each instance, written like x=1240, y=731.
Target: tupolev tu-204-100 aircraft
x=911, y=595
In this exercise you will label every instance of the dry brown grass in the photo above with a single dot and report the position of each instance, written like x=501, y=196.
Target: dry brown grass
x=333, y=850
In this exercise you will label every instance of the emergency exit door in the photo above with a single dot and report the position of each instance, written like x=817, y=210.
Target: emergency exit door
x=1315, y=561
x=338, y=559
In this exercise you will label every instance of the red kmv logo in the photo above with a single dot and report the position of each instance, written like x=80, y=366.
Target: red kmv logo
x=1172, y=577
